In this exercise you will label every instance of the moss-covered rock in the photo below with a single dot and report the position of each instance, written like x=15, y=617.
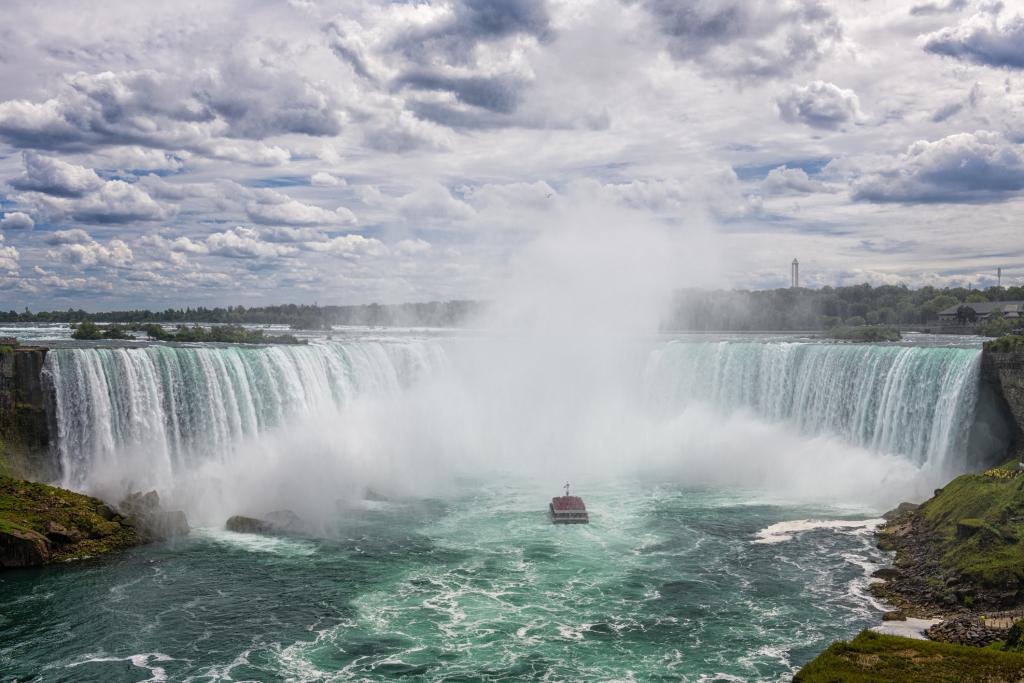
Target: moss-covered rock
x=40, y=524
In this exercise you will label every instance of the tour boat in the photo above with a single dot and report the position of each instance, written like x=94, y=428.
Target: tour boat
x=568, y=509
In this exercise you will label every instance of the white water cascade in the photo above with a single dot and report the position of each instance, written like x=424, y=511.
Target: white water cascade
x=913, y=402
x=171, y=406
x=206, y=416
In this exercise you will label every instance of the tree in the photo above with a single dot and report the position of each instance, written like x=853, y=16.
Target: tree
x=965, y=314
x=87, y=329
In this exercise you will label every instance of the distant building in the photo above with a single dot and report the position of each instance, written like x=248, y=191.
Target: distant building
x=1012, y=310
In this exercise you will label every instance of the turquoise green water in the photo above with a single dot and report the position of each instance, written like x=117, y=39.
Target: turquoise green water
x=664, y=584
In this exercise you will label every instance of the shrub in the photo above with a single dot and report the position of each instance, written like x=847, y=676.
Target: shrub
x=1005, y=344
x=864, y=334
x=87, y=329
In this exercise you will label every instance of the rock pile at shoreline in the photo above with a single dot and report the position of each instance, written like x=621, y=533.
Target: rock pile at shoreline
x=966, y=630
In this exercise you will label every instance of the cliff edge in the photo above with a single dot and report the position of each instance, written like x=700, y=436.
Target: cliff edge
x=41, y=524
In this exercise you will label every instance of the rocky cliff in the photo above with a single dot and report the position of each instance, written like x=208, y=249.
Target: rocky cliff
x=24, y=419
x=1004, y=372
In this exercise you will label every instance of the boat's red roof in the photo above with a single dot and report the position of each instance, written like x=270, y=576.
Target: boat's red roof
x=568, y=503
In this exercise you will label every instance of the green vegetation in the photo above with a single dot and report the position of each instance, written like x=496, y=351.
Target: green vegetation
x=1005, y=343
x=230, y=334
x=978, y=519
x=27, y=506
x=818, y=309
x=89, y=330
x=876, y=658
x=433, y=314
x=864, y=334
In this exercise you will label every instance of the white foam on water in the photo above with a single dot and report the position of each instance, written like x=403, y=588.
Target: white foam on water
x=911, y=628
x=256, y=543
x=158, y=674
x=785, y=531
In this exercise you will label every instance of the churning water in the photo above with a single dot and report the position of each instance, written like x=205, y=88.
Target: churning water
x=733, y=488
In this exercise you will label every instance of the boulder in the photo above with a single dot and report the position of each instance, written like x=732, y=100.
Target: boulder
x=894, y=615
x=59, y=534
x=886, y=573
x=966, y=528
x=250, y=525
x=167, y=525
x=145, y=514
x=285, y=517
x=900, y=509
x=23, y=547
x=105, y=511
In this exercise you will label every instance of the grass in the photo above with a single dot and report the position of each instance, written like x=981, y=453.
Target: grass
x=877, y=658
x=979, y=518
x=29, y=506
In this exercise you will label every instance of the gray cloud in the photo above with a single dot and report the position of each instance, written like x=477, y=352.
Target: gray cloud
x=75, y=236
x=418, y=59
x=927, y=8
x=819, y=105
x=16, y=221
x=55, y=177
x=499, y=94
x=8, y=257
x=965, y=167
x=154, y=109
x=472, y=22
x=747, y=39
x=788, y=181
x=273, y=208
x=982, y=39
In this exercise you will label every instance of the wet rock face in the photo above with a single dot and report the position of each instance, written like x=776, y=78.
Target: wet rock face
x=899, y=510
x=277, y=523
x=23, y=548
x=144, y=513
x=250, y=525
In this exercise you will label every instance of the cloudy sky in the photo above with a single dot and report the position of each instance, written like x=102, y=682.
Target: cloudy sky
x=186, y=153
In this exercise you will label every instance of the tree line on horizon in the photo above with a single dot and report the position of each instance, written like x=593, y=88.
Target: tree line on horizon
x=691, y=310
x=699, y=310
x=298, y=317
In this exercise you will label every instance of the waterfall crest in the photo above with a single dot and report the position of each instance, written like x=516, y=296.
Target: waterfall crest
x=910, y=401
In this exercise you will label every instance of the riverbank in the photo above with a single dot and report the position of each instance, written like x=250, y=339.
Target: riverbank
x=959, y=553
x=958, y=558
x=42, y=524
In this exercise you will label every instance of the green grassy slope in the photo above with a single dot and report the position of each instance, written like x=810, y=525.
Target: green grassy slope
x=876, y=658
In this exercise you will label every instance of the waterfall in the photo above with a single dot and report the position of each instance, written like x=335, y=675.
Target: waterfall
x=167, y=413
x=909, y=401
x=176, y=404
